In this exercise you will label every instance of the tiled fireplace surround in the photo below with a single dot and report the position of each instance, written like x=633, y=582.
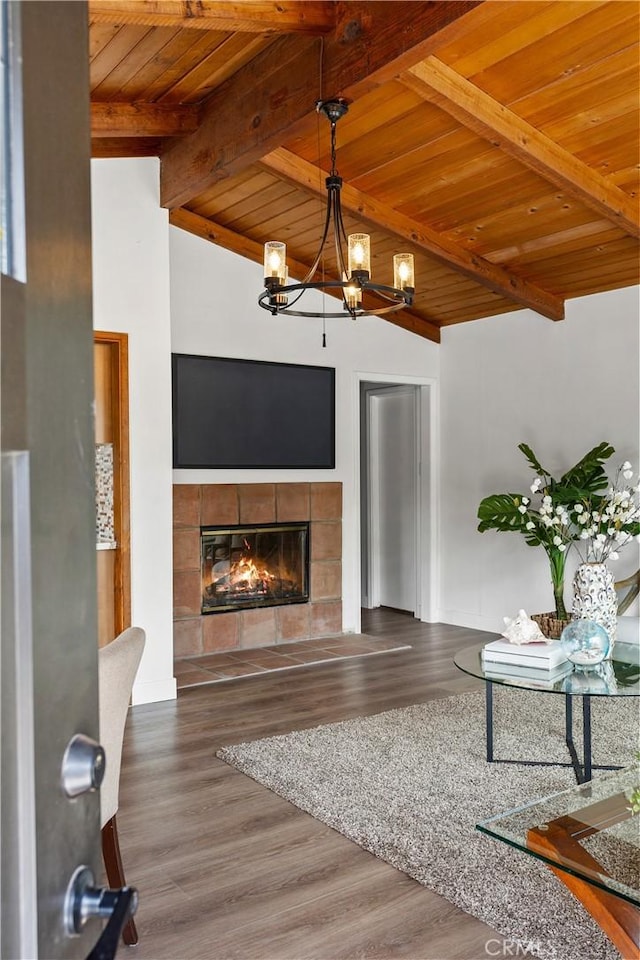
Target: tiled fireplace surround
x=215, y=504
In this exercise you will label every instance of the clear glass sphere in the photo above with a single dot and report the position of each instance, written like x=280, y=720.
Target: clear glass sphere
x=584, y=643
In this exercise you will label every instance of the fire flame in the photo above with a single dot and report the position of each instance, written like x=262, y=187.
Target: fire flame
x=244, y=576
x=245, y=571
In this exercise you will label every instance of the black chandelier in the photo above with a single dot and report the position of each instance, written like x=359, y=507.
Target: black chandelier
x=281, y=297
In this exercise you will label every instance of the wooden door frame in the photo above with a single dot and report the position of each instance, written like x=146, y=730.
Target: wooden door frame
x=119, y=369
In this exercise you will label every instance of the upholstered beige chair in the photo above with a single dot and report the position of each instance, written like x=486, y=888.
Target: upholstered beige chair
x=117, y=667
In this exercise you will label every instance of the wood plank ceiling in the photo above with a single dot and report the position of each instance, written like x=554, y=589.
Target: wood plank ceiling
x=497, y=141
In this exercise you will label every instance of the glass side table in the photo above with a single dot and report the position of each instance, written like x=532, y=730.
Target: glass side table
x=618, y=677
x=590, y=839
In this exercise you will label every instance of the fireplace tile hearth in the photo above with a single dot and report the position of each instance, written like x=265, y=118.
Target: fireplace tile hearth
x=293, y=621
x=220, y=632
x=215, y=668
x=326, y=618
x=257, y=627
x=187, y=637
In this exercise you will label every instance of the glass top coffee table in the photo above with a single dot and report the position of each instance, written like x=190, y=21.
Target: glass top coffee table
x=618, y=677
x=590, y=838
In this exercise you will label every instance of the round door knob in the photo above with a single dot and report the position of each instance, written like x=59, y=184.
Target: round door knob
x=83, y=766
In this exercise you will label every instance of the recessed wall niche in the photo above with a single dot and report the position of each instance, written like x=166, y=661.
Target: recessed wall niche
x=105, y=519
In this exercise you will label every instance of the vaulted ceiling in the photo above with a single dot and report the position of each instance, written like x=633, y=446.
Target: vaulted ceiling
x=497, y=141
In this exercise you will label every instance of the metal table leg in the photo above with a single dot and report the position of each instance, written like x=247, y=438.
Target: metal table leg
x=568, y=719
x=586, y=735
x=583, y=771
x=583, y=768
x=568, y=738
x=488, y=714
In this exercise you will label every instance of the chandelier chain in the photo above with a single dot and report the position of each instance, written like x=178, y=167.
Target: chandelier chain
x=334, y=172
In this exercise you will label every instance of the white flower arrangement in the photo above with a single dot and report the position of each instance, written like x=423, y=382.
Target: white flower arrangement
x=607, y=522
x=546, y=521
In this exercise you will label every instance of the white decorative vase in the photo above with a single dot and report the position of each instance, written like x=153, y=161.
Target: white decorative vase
x=594, y=597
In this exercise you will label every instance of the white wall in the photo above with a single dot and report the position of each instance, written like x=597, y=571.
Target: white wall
x=131, y=295
x=214, y=312
x=560, y=387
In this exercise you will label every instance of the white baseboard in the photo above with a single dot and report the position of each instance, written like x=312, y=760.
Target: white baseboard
x=153, y=691
x=628, y=632
x=458, y=618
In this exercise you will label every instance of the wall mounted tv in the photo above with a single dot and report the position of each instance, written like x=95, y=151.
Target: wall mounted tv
x=252, y=414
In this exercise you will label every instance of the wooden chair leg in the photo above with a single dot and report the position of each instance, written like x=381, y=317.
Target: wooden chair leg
x=115, y=872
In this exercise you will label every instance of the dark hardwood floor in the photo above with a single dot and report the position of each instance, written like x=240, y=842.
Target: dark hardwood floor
x=226, y=869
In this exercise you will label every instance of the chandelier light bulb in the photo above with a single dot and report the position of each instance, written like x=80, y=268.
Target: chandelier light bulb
x=281, y=298
x=403, y=271
x=275, y=257
x=352, y=294
x=359, y=255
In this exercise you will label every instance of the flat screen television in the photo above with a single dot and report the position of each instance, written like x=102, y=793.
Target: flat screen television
x=252, y=414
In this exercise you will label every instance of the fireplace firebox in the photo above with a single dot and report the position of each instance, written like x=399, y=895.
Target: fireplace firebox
x=262, y=565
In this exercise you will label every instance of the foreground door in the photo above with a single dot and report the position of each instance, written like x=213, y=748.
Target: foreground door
x=49, y=638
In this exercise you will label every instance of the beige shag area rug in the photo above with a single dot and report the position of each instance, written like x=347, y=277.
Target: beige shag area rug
x=409, y=786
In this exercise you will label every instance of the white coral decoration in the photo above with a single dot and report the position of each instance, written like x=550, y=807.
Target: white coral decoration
x=522, y=629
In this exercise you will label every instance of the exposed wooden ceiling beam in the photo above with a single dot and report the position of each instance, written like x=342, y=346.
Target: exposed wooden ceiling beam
x=216, y=233
x=304, y=174
x=242, y=16
x=229, y=239
x=118, y=147
x=439, y=84
x=255, y=110
x=142, y=120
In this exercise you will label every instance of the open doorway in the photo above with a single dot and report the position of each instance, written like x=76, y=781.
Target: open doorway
x=397, y=568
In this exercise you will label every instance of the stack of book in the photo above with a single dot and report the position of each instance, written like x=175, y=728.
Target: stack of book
x=533, y=664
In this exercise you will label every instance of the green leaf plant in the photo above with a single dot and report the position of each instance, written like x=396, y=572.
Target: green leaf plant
x=544, y=521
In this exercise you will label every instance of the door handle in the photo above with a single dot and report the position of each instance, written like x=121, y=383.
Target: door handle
x=84, y=900
x=123, y=903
